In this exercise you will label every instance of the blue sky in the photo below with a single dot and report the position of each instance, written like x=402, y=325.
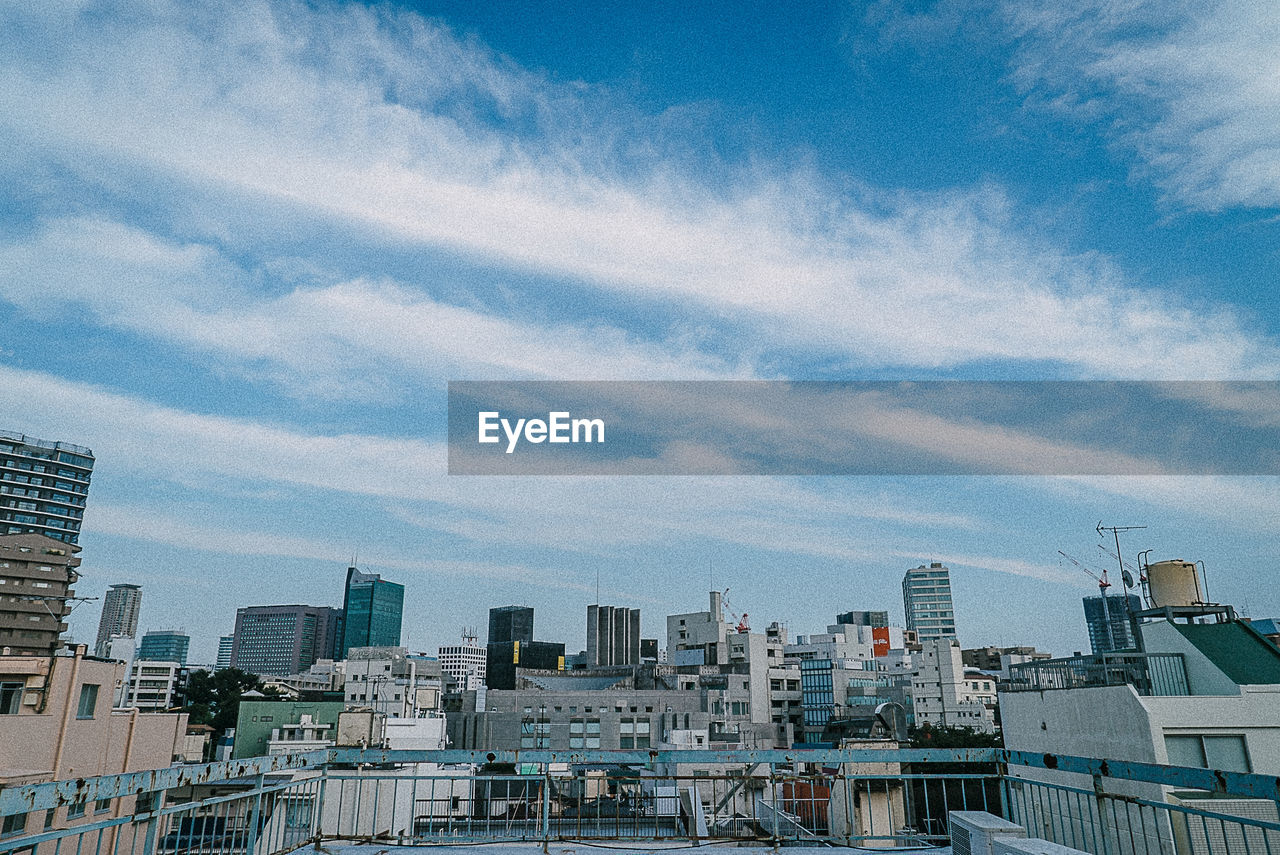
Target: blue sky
x=243, y=249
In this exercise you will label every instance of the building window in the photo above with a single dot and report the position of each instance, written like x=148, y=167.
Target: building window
x=633, y=733
x=14, y=823
x=101, y=805
x=584, y=733
x=75, y=810
x=1227, y=752
x=10, y=698
x=88, y=703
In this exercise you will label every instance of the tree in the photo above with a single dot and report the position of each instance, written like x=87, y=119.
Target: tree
x=928, y=736
x=214, y=698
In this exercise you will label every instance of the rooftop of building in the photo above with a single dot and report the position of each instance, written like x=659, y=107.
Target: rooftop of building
x=36, y=442
x=1267, y=626
x=1238, y=649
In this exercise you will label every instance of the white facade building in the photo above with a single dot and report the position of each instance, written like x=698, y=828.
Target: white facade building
x=307, y=735
x=1203, y=695
x=390, y=681
x=946, y=694
x=154, y=685
x=464, y=663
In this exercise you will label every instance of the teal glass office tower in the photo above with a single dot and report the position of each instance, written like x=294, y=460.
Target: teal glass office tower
x=372, y=609
x=164, y=645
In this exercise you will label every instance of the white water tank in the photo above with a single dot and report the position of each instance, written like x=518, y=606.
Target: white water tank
x=1174, y=583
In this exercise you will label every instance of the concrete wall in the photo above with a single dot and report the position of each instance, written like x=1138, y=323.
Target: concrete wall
x=1203, y=677
x=56, y=742
x=1114, y=722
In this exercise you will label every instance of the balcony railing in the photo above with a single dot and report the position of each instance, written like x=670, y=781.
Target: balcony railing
x=1150, y=674
x=874, y=798
x=43, y=443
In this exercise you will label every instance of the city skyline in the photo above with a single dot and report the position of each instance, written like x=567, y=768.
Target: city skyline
x=242, y=254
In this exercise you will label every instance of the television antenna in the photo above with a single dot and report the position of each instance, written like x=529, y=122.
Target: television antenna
x=1115, y=532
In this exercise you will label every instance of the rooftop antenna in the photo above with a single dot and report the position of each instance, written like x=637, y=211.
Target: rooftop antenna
x=1115, y=532
x=597, y=585
x=1127, y=570
x=1125, y=576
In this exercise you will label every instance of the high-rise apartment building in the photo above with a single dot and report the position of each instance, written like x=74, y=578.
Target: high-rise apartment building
x=164, y=645
x=225, y=643
x=613, y=636
x=36, y=575
x=283, y=640
x=1110, y=627
x=43, y=486
x=510, y=623
x=372, y=610
x=926, y=597
x=119, y=615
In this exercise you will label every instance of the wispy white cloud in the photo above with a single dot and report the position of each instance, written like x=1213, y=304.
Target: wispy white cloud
x=377, y=121
x=1192, y=87
x=997, y=564
x=144, y=523
x=153, y=443
x=356, y=338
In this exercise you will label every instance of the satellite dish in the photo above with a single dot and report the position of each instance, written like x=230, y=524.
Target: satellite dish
x=1128, y=579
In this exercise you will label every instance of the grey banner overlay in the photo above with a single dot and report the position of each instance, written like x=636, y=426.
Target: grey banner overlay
x=864, y=428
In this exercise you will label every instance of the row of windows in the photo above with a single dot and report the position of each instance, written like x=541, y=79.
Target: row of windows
x=43, y=480
x=617, y=708
x=64, y=536
x=34, y=493
x=28, y=465
x=15, y=824
x=24, y=505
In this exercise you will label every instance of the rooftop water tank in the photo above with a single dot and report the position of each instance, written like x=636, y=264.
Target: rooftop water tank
x=1174, y=583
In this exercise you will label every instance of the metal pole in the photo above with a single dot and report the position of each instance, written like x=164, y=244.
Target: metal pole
x=254, y=817
x=546, y=806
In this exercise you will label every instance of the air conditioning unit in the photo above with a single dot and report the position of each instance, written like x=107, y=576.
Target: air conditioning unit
x=1031, y=846
x=973, y=832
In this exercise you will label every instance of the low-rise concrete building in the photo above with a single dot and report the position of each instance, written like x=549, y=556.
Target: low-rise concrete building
x=392, y=681
x=946, y=694
x=57, y=723
x=1200, y=694
x=259, y=719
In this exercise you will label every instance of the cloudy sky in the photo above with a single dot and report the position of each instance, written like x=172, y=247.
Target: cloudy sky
x=244, y=247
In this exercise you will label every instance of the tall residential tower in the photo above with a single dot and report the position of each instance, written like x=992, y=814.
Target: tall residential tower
x=43, y=486
x=926, y=597
x=1109, y=622
x=37, y=574
x=119, y=615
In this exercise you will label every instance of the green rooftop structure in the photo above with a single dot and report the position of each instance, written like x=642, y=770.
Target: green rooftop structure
x=1237, y=649
x=258, y=717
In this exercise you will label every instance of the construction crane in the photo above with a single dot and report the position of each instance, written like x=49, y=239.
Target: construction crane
x=1127, y=570
x=1102, y=580
x=742, y=626
x=1103, y=584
